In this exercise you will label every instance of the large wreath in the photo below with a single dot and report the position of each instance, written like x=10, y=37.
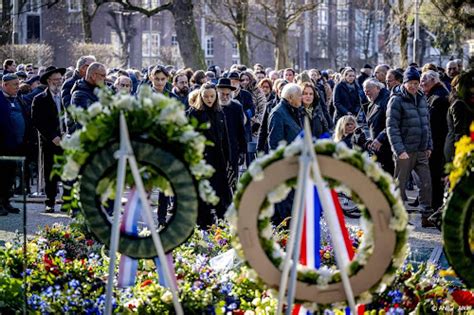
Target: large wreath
x=458, y=216
x=311, y=282
x=168, y=149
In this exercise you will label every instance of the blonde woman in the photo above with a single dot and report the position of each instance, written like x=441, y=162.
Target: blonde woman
x=350, y=133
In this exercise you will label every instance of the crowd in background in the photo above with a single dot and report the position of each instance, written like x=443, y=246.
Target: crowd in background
x=409, y=119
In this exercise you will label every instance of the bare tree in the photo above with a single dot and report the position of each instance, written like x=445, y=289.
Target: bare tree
x=278, y=16
x=232, y=14
x=89, y=9
x=399, y=14
x=39, y=54
x=122, y=23
x=186, y=33
x=460, y=11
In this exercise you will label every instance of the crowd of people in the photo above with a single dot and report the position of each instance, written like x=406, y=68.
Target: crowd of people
x=409, y=119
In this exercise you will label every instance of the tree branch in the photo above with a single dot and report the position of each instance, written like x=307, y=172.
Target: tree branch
x=129, y=6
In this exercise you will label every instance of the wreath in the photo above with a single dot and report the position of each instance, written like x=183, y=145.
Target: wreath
x=383, y=246
x=168, y=149
x=458, y=216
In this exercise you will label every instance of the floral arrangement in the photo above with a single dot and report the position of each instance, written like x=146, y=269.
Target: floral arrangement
x=326, y=275
x=463, y=163
x=67, y=272
x=150, y=117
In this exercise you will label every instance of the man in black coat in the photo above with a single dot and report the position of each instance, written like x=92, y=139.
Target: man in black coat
x=376, y=120
x=83, y=90
x=80, y=72
x=438, y=105
x=13, y=128
x=48, y=118
x=234, y=115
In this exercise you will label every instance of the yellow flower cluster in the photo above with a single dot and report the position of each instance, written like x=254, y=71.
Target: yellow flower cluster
x=463, y=160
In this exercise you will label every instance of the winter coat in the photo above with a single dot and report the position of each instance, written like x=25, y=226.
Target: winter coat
x=218, y=157
x=376, y=117
x=438, y=105
x=285, y=123
x=260, y=101
x=234, y=116
x=245, y=98
x=345, y=100
x=459, y=118
x=45, y=117
x=66, y=89
x=9, y=144
x=262, y=140
x=82, y=94
x=318, y=122
x=408, y=125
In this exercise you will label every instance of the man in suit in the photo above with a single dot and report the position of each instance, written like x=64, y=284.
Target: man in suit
x=13, y=128
x=48, y=116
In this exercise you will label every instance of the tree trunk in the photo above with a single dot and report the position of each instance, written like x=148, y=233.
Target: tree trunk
x=281, y=37
x=86, y=21
x=403, y=43
x=187, y=36
x=243, y=49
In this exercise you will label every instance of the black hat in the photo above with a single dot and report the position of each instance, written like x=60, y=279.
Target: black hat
x=234, y=75
x=49, y=71
x=225, y=83
x=33, y=79
x=367, y=66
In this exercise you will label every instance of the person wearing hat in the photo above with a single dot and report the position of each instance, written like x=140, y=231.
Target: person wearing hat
x=245, y=98
x=234, y=115
x=365, y=73
x=409, y=134
x=48, y=116
x=13, y=128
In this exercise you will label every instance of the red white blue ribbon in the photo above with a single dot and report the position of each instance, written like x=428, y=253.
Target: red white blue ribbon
x=311, y=237
x=128, y=266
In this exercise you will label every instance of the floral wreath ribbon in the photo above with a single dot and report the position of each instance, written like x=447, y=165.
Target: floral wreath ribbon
x=128, y=266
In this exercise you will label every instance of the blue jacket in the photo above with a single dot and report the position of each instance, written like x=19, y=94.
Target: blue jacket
x=285, y=123
x=8, y=143
x=82, y=94
x=66, y=92
x=408, y=122
x=345, y=100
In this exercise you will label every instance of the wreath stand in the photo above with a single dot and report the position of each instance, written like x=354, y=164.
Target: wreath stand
x=307, y=163
x=124, y=154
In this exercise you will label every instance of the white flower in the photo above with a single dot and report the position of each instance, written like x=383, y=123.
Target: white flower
x=188, y=135
x=95, y=109
x=325, y=275
x=167, y=297
x=73, y=142
x=266, y=212
x=124, y=102
x=279, y=193
x=202, y=169
x=267, y=232
x=147, y=102
x=323, y=143
x=342, y=151
x=207, y=193
x=78, y=114
x=256, y=171
x=172, y=114
x=145, y=232
x=71, y=169
x=249, y=312
x=400, y=219
x=371, y=168
x=294, y=148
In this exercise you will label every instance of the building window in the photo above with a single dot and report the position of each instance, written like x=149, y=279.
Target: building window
x=323, y=52
x=74, y=5
x=32, y=6
x=209, y=46
x=150, y=44
x=235, y=50
x=209, y=62
x=235, y=61
x=150, y=4
x=174, y=40
x=322, y=16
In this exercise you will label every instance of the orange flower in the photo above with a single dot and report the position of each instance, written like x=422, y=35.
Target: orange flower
x=146, y=282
